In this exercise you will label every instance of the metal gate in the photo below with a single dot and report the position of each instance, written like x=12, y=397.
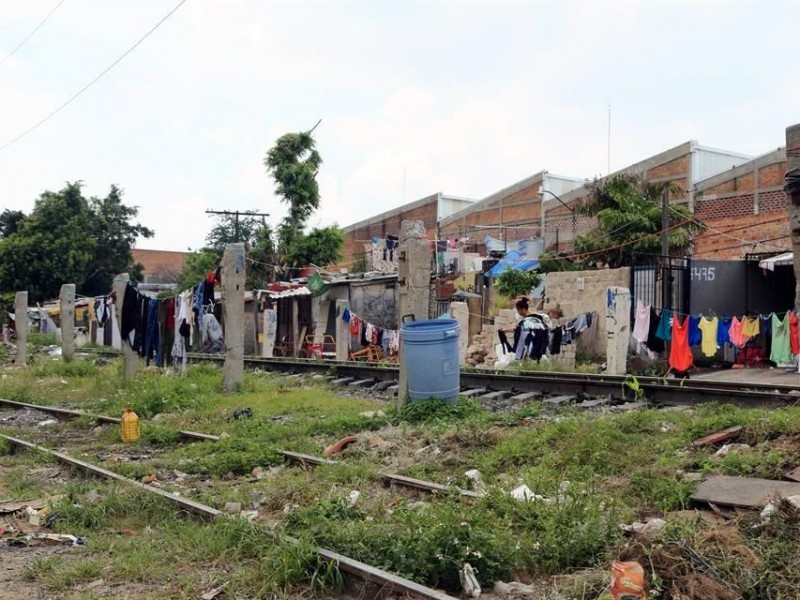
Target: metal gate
x=661, y=282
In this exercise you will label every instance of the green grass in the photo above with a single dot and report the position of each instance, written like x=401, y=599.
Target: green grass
x=619, y=468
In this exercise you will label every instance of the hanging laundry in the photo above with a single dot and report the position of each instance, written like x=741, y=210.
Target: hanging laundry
x=737, y=337
x=781, y=352
x=355, y=324
x=555, y=340
x=346, y=316
x=130, y=314
x=665, y=325
x=765, y=325
x=751, y=327
x=723, y=330
x=708, y=330
x=641, y=325
x=695, y=337
x=654, y=343
x=680, y=355
x=794, y=333
x=151, y=332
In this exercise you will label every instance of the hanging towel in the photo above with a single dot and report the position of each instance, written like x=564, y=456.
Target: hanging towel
x=708, y=330
x=641, y=325
x=680, y=356
x=695, y=337
x=781, y=346
x=665, y=325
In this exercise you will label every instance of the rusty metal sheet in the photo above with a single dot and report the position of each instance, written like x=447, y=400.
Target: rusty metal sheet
x=742, y=491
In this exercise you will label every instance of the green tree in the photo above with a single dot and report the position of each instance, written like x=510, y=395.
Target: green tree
x=628, y=212
x=294, y=163
x=512, y=282
x=321, y=246
x=68, y=238
x=197, y=266
x=224, y=232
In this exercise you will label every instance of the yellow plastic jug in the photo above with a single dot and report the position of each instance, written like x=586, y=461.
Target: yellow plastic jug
x=130, y=426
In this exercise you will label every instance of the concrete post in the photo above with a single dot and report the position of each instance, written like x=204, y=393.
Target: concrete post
x=618, y=331
x=129, y=356
x=460, y=312
x=342, y=331
x=233, y=273
x=21, y=327
x=67, y=302
x=414, y=281
x=270, y=330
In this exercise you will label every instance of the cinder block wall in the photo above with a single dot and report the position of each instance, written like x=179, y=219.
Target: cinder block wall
x=575, y=292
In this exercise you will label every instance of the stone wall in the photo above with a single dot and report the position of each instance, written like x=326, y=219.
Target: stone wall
x=576, y=292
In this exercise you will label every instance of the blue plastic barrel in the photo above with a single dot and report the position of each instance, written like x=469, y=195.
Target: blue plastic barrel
x=430, y=352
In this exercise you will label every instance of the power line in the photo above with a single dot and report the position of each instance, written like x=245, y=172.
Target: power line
x=93, y=81
x=30, y=35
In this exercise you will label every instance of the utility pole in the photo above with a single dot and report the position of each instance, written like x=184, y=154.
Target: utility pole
x=235, y=214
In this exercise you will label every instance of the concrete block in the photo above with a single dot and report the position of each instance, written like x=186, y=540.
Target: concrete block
x=526, y=396
x=557, y=402
x=383, y=385
x=361, y=383
x=593, y=404
x=342, y=380
x=501, y=395
x=629, y=406
x=474, y=392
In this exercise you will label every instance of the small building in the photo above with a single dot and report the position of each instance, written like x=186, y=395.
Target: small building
x=162, y=268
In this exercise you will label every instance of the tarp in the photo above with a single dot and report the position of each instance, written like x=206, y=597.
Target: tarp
x=787, y=258
x=514, y=261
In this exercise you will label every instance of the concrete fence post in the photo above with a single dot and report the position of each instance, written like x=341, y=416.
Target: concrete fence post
x=67, y=307
x=130, y=359
x=414, y=281
x=342, y=331
x=233, y=276
x=21, y=327
x=618, y=330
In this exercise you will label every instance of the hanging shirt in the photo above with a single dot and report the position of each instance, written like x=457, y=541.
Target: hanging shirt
x=794, y=333
x=680, y=356
x=723, y=328
x=355, y=324
x=346, y=316
x=751, y=327
x=654, y=343
x=781, y=346
x=765, y=325
x=665, y=325
x=708, y=332
x=736, y=334
x=695, y=337
x=641, y=324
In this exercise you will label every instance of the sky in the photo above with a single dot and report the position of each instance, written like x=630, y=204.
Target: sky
x=463, y=98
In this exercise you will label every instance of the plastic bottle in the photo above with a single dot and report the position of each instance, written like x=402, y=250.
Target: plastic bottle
x=130, y=426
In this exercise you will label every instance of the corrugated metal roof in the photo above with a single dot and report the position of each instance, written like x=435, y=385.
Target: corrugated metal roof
x=301, y=291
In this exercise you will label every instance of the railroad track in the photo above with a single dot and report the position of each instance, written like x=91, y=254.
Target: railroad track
x=383, y=580
x=656, y=390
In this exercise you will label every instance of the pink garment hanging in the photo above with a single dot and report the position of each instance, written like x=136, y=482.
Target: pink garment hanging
x=736, y=333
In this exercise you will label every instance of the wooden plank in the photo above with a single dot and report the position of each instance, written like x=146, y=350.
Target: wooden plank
x=794, y=475
x=427, y=486
x=745, y=492
x=201, y=510
x=719, y=436
x=381, y=577
x=306, y=458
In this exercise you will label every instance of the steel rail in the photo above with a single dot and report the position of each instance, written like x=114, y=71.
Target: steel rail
x=388, y=478
x=349, y=565
x=66, y=413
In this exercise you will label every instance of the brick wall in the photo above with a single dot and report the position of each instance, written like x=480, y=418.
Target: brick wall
x=765, y=226
x=355, y=239
x=563, y=291
x=670, y=170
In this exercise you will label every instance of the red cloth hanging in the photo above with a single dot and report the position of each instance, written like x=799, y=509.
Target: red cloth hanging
x=794, y=333
x=680, y=355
